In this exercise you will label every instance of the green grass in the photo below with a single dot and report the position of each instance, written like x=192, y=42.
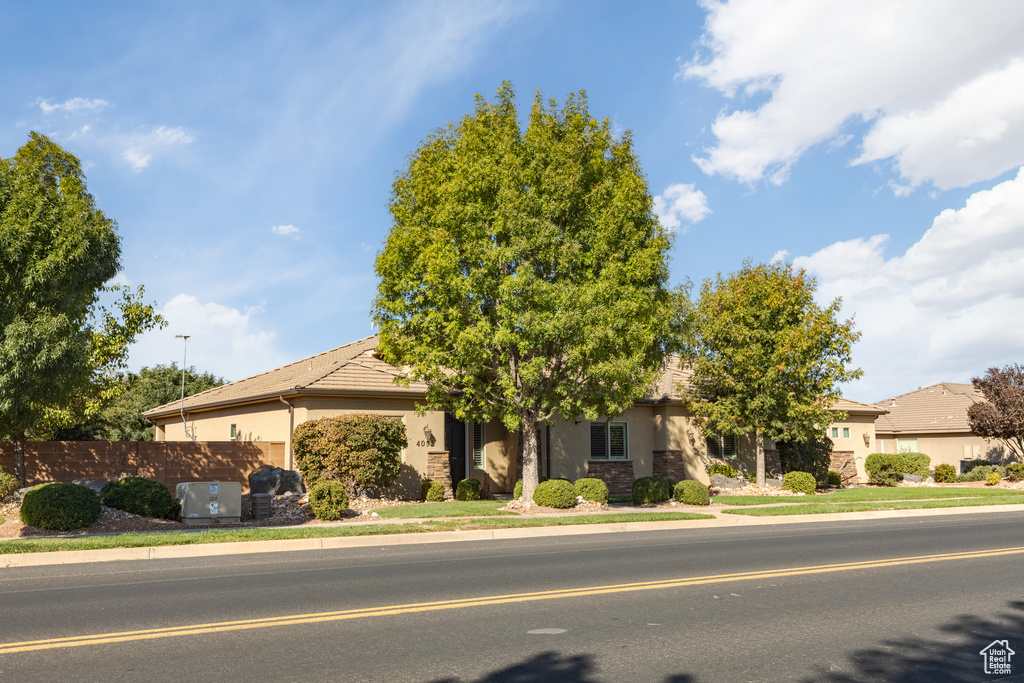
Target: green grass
x=829, y=508
x=454, y=508
x=869, y=494
x=622, y=498
x=138, y=540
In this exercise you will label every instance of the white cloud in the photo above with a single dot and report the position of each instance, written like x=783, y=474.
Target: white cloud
x=946, y=309
x=74, y=104
x=284, y=230
x=140, y=147
x=780, y=256
x=680, y=202
x=936, y=82
x=223, y=340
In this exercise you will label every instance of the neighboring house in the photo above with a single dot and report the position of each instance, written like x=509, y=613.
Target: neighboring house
x=933, y=421
x=656, y=436
x=856, y=435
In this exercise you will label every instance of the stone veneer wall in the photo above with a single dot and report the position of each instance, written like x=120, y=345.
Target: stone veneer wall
x=669, y=464
x=843, y=463
x=772, y=462
x=439, y=469
x=617, y=474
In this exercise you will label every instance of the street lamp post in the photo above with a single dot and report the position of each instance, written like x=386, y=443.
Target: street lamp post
x=184, y=364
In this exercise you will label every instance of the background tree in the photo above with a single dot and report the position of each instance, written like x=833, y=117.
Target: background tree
x=360, y=451
x=1002, y=415
x=56, y=252
x=524, y=274
x=765, y=357
x=812, y=456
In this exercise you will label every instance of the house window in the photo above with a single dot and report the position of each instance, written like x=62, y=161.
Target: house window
x=608, y=441
x=234, y=432
x=835, y=432
x=906, y=446
x=721, y=446
x=846, y=432
x=477, y=430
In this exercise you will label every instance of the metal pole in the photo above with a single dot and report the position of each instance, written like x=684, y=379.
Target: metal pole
x=184, y=364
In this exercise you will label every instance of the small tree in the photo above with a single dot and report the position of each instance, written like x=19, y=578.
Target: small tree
x=525, y=274
x=1001, y=416
x=765, y=357
x=812, y=456
x=361, y=451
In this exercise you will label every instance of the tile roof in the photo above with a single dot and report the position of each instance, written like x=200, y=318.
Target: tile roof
x=938, y=409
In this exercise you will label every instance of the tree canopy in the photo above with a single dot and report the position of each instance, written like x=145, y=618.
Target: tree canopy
x=525, y=273
x=1001, y=416
x=765, y=357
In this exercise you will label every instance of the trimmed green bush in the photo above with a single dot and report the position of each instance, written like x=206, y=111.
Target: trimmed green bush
x=140, y=496
x=647, y=490
x=726, y=469
x=992, y=478
x=556, y=493
x=813, y=456
x=432, y=491
x=60, y=507
x=517, y=493
x=888, y=469
x=799, y=482
x=971, y=464
x=467, y=489
x=689, y=492
x=945, y=474
x=592, y=489
x=981, y=472
x=363, y=451
x=8, y=484
x=835, y=478
x=1015, y=471
x=328, y=500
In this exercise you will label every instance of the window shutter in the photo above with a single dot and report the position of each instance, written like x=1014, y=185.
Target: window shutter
x=729, y=446
x=714, y=446
x=478, y=446
x=598, y=441
x=617, y=441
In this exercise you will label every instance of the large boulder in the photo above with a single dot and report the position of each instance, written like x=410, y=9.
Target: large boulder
x=275, y=481
x=912, y=478
x=95, y=485
x=720, y=481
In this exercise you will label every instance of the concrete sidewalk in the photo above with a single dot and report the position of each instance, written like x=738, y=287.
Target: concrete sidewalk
x=245, y=547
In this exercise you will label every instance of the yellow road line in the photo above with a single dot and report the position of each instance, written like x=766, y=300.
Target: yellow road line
x=297, y=619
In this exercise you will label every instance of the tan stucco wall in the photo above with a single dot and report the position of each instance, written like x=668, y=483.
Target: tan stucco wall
x=570, y=444
x=948, y=449
x=256, y=422
x=859, y=425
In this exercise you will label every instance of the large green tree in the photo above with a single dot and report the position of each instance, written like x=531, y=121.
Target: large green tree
x=56, y=252
x=765, y=357
x=1001, y=415
x=525, y=273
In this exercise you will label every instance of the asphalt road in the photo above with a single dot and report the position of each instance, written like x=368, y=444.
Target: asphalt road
x=883, y=600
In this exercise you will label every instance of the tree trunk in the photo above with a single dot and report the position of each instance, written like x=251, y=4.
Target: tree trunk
x=531, y=461
x=759, y=441
x=19, y=458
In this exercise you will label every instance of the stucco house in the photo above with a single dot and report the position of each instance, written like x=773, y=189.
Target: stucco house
x=656, y=436
x=933, y=420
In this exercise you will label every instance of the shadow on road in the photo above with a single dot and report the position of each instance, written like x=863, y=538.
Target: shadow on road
x=551, y=666
x=915, y=659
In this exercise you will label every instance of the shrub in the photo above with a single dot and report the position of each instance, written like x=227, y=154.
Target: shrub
x=362, y=451
x=723, y=468
x=648, y=490
x=1015, y=471
x=467, y=489
x=328, y=500
x=691, y=492
x=888, y=469
x=834, y=478
x=750, y=476
x=432, y=491
x=812, y=456
x=8, y=484
x=945, y=474
x=992, y=478
x=980, y=472
x=517, y=493
x=971, y=464
x=798, y=482
x=591, y=489
x=60, y=507
x=140, y=496
x=667, y=481
x=556, y=493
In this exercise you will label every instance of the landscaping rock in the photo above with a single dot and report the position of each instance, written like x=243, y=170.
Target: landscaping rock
x=773, y=483
x=275, y=481
x=96, y=486
x=720, y=481
x=913, y=478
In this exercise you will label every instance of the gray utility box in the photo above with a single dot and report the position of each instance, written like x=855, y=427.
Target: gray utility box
x=210, y=502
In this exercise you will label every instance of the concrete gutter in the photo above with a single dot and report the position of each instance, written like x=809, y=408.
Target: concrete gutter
x=246, y=547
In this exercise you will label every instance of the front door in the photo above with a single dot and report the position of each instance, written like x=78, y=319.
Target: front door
x=455, y=444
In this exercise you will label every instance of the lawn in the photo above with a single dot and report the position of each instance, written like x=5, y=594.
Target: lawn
x=818, y=508
x=454, y=508
x=861, y=494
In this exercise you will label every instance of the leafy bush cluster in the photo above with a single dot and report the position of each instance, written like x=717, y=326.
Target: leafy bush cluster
x=799, y=482
x=945, y=474
x=555, y=493
x=592, y=489
x=981, y=472
x=1015, y=471
x=467, y=489
x=971, y=464
x=751, y=476
x=432, y=491
x=812, y=456
x=140, y=496
x=60, y=507
x=992, y=478
x=328, y=500
x=724, y=468
x=361, y=451
x=691, y=492
x=887, y=469
x=835, y=478
x=647, y=490
x=8, y=484
x=517, y=493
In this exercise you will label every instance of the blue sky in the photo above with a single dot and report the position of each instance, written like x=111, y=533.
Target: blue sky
x=246, y=150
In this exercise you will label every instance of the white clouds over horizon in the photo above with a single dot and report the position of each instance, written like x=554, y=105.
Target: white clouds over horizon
x=681, y=202
x=284, y=230
x=936, y=83
x=72, y=105
x=931, y=313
